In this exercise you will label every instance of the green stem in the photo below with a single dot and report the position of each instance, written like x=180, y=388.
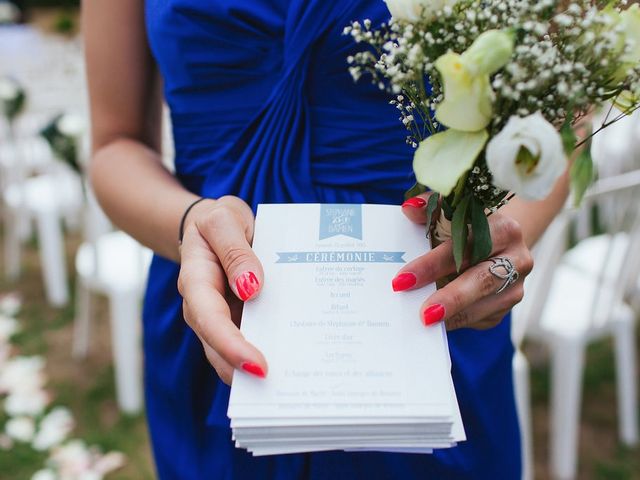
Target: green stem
x=459, y=190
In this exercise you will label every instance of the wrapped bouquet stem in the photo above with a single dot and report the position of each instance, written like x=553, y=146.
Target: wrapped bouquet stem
x=490, y=91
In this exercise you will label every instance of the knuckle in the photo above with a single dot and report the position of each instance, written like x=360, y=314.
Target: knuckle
x=486, y=282
x=527, y=263
x=459, y=320
x=517, y=293
x=233, y=257
x=490, y=322
x=184, y=280
x=456, y=300
x=217, y=216
x=510, y=228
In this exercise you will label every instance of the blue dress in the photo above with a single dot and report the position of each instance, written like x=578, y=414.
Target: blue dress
x=263, y=107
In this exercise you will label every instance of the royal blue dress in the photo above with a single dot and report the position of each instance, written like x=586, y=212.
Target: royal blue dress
x=263, y=107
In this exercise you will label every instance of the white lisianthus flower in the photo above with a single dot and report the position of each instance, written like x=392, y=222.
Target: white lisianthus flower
x=411, y=10
x=71, y=125
x=527, y=157
x=21, y=429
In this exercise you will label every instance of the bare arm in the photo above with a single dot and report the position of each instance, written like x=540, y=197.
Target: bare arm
x=535, y=217
x=145, y=200
x=132, y=185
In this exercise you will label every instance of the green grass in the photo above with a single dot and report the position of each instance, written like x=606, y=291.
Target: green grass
x=84, y=386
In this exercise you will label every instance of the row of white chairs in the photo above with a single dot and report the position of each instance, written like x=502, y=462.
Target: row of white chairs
x=586, y=292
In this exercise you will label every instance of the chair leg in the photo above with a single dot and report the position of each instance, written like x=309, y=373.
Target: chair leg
x=52, y=256
x=12, y=245
x=626, y=380
x=566, y=389
x=82, y=322
x=523, y=402
x=125, y=339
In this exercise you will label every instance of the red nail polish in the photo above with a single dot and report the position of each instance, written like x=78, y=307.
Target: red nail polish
x=433, y=314
x=415, y=202
x=403, y=281
x=247, y=284
x=254, y=369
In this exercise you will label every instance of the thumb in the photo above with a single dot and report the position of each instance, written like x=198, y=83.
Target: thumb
x=228, y=231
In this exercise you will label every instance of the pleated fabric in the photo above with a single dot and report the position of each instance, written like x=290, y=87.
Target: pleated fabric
x=263, y=107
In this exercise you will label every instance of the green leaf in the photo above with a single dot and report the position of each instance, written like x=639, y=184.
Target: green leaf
x=443, y=158
x=482, y=244
x=460, y=231
x=582, y=174
x=432, y=205
x=414, y=191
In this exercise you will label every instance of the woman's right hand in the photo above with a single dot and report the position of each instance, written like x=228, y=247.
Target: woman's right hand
x=218, y=272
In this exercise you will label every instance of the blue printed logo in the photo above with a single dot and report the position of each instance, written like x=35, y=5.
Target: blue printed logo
x=341, y=219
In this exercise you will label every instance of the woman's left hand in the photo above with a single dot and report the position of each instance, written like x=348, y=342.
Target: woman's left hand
x=469, y=301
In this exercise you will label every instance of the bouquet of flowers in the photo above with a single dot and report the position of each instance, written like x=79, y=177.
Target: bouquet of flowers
x=12, y=98
x=490, y=92
x=64, y=135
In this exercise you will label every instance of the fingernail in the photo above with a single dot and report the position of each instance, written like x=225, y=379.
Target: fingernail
x=403, y=281
x=253, y=369
x=433, y=314
x=247, y=284
x=415, y=202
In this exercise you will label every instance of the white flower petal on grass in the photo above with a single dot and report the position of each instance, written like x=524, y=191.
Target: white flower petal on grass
x=10, y=304
x=45, y=474
x=21, y=429
x=109, y=462
x=443, y=158
x=72, y=459
x=22, y=374
x=8, y=327
x=54, y=428
x=527, y=157
x=26, y=403
x=6, y=443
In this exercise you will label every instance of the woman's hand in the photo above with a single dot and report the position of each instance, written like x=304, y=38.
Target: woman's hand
x=470, y=300
x=218, y=272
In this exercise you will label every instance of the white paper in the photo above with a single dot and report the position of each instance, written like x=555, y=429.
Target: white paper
x=342, y=347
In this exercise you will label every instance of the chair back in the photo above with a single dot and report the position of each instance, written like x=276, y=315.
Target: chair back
x=612, y=207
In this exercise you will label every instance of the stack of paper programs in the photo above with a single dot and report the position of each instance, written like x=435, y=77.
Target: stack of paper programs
x=351, y=366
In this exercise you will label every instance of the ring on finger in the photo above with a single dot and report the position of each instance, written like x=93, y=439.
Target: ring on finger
x=504, y=269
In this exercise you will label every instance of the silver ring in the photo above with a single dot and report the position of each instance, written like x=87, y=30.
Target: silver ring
x=504, y=269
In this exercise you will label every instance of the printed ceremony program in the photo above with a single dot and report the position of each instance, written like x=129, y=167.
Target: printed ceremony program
x=350, y=364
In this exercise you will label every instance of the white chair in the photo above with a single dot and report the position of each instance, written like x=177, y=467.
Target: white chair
x=113, y=264
x=547, y=255
x=46, y=199
x=575, y=300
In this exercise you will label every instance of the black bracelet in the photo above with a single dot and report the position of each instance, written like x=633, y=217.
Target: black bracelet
x=184, y=218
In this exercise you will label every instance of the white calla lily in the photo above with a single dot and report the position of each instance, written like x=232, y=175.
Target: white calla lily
x=468, y=96
x=527, y=157
x=443, y=158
